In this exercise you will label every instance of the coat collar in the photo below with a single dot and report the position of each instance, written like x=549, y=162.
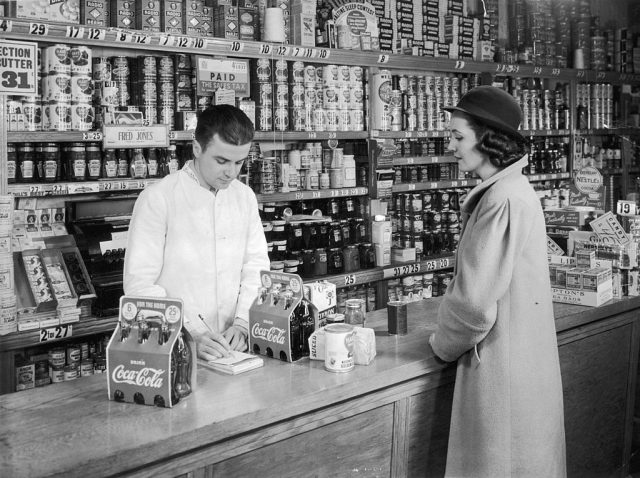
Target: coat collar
x=477, y=192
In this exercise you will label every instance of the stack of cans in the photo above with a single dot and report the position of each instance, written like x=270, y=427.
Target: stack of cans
x=144, y=88
x=56, y=87
x=121, y=72
x=166, y=91
x=297, y=112
x=82, y=112
x=184, y=84
x=262, y=92
x=280, y=95
x=8, y=318
x=104, y=88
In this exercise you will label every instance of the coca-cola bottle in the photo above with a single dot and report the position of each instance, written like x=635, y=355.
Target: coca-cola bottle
x=307, y=324
x=295, y=335
x=182, y=384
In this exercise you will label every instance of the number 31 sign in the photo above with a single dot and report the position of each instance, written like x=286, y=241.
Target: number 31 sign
x=18, y=64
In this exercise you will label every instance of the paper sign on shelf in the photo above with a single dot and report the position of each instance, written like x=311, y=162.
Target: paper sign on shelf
x=213, y=74
x=553, y=248
x=18, y=61
x=608, y=225
x=134, y=136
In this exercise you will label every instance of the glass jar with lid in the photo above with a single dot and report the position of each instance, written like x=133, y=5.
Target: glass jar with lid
x=50, y=166
x=26, y=169
x=320, y=264
x=335, y=235
x=76, y=162
x=351, y=258
x=12, y=163
x=367, y=255
x=278, y=233
x=110, y=164
x=354, y=313
x=346, y=232
x=94, y=161
x=335, y=261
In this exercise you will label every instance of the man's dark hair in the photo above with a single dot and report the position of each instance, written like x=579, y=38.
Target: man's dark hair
x=231, y=124
x=502, y=148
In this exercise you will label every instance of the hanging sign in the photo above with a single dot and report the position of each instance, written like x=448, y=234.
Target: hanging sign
x=18, y=68
x=213, y=74
x=608, y=225
x=587, y=188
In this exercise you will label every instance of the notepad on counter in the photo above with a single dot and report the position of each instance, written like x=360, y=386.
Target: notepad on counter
x=236, y=362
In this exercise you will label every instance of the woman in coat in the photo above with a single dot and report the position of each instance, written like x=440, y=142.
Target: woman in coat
x=496, y=318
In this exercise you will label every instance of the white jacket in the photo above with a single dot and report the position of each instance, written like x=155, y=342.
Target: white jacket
x=207, y=249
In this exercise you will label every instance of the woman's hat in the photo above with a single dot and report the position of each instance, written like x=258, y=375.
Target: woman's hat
x=493, y=107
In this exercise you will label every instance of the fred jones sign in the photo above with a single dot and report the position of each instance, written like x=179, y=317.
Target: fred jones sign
x=18, y=63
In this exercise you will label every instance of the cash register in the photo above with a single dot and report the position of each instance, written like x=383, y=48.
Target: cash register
x=100, y=229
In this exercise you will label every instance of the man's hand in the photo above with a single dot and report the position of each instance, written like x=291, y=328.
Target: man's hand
x=211, y=345
x=237, y=338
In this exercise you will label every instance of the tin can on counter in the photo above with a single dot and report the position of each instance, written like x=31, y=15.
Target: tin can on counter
x=296, y=95
x=57, y=357
x=298, y=119
x=281, y=95
x=339, y=354
x=356, y=120
x=281, y=71
x=356, y=97
x=71, y=372
x=56, y=373
x=319, y=119
x=344, y=120
x=165, y=66
x=310, y=76
x=86, y=367
x=73, y=354
x=166, y=115
x=264, y=94
x=330, y=97
x=263, y=70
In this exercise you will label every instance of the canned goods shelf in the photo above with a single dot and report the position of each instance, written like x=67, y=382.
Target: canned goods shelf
x=318, y=194
x=82, y=328
x=548, y=177
x=458, y=183
x=17, y=29
x=278, y=136
x=72, y=188
x=392, y=271
x=546, y=132
x=53, y=136
x=413, y=160
x=409, y=134
x=607, y=131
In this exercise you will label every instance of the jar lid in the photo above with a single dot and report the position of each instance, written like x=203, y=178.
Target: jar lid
x=291, y=262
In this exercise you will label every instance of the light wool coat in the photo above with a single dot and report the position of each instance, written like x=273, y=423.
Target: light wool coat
x=496, y=319
x=204, y=248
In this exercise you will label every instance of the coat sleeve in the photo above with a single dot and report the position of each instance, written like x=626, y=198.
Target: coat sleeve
x=145, y=245
x=255, y=260
x=484, y=271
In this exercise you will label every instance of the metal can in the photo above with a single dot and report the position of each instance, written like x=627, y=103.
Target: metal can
x=82, y=116
x=57, y=116
x=319, y=119
x=331, y=120
x=81, y=88
x=81, y=60
x=56, y=373
x=120, y=68
x=101, y=68
x=280, y=71
x=57, y=87
x=263, y=69
x=339, y=353
x=86, y=367
x=264, y=118
x=281, y=95
x=57, y=357
x=281, y=119
x=165, y=66
x=56, y=59
x=71, y=372
x=74, y=354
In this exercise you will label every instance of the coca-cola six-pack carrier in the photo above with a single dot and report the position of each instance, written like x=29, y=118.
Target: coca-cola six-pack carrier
x=277, y=321
x=151, y=360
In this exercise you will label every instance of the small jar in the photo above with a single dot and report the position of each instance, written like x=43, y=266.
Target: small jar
x=94, y=161
x=26, y=162
x=335, y=261
x=351, y=258
x=367, y=255
x=76, y=162
x=12, y=163
x=269, y=211
x=320, y=264
x=346, y=232
x=277, y=266
x=278, y=232
x=291, y=266
x=51, y=163
x=308, y=262
x=335, y=235
x=358, y=231
x=279, y=250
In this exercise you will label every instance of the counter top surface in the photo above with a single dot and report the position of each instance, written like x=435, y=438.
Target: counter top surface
x=72, y=429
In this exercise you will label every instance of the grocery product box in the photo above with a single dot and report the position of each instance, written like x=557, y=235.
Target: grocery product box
x=122, y=14
x=171, y=17
x=148, y=15
x=248, y=27
x=323, y=299
x=586, y=259
x=94, y=13
x=399, y=254
x=66, y=11
x=225, y=21
x=569, y=217
x=582, y=297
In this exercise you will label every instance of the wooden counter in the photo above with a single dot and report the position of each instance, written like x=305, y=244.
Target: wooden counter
x=390, y=418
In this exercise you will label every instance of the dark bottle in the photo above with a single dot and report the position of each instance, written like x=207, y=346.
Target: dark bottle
x=94, y=161
x=26, y=163
x=173, y=163
x=294, y=237
x=175, y=398
x=12, y=163
x=50, y=164
x=346, y=232
x=153, y=164
x=333, y=208
x=295, y=335
x=76, y=162
x=182, y=384
x=307, y=324
x=123, y=163
x=110, y=164
x=323, y=234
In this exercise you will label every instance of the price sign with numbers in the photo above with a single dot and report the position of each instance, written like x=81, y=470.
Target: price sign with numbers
x=74, y=32
x=383, y=58
x=18, y=75
x=627, y=208
x=350, y=279
x=401, y=271
x=39, y=29
x=55, y=333
x=96, y=34
x=6, y=26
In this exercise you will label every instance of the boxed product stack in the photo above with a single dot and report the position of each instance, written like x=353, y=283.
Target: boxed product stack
x=580, y=281
x=94, y=13
x=122, y=14
x=171, y=17
x=148, y=16
x=303, y=22
x=8, y=319
x=197, y=19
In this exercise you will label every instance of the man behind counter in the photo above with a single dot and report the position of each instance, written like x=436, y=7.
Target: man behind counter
x=196, y=235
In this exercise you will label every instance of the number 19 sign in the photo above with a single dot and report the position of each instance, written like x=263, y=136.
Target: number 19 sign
x=18, y=63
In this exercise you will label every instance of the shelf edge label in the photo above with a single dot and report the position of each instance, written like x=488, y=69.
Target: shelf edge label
x=133, y=136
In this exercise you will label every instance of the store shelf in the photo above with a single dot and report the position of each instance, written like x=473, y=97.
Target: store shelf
x=394, y=271
x=80, y=187
x=416, y=160
x=548, y=177
x=83, y=328
x=279, y=136
x=545, y=132
x=376, y=134
x=306, y=195
x=458, y=183
x=53, y=136
x=50, y=32
x=606, y=131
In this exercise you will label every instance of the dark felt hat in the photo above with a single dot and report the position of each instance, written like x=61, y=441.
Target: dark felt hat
x=493, y=107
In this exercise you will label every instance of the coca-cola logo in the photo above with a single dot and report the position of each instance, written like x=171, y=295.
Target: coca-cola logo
x=270, y=334
x=145, y=377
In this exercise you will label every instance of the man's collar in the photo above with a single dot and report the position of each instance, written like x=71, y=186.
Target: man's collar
x=191, y=172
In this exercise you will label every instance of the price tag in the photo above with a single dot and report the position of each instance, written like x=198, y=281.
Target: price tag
x=627, y=208
x=600, y=76
x=312, y=135
x=6, y=26
x=265, y=49
x=433, y=185
x=555, y=71
x=400, y=271
x=59, y=189
x=107, y=186
x=382, y=58
x=454, y=184
x=74, y=32
x=124, y=37
x=34, y=189
x=580, y=74
x=299, y=196
x=236, y=46
x=437, y=264
x=411, y=187
x=166, y=40
x=501, y=68
x=142, y=39
x=96, y=34
x=323, y=53
x=374, y=133
x=39, y=29
x=464, y=182
x=608, y=225
x=513, y=68
x=199, y=43
x=410, y=160
x=282, y=50
x=350, y=279
x=181, y=42
x=172, y=134
x=408, y=134
x=435, y=159
x=537, y=70
x=92, y=136
x=459, y=65
x=55, y=333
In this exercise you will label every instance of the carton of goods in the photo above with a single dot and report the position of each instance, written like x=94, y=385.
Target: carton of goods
x=66, y=11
